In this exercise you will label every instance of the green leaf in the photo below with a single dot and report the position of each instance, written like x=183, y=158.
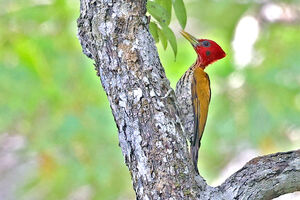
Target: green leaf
x=180, y=12
x=163, y=38
x=153, y=30
x=158, y=12
x=167, y=4
x=171, y=37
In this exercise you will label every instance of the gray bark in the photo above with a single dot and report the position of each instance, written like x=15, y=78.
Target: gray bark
x=114, y=33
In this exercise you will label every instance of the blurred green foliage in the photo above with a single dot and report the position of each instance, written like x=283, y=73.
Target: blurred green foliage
x=49, y=93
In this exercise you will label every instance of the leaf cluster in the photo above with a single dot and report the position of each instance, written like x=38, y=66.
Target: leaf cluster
x=161, y=11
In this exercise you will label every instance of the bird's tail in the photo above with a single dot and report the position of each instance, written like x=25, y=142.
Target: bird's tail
x=195, y=143
x=194, y=153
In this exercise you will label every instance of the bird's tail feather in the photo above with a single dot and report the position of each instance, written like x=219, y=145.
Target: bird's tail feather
x=194, y=153
x=195, y=145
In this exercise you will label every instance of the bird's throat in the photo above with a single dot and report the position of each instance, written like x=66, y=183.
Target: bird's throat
x=199, y=63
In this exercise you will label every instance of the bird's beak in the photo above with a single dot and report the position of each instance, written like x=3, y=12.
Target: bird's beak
x=190, y=38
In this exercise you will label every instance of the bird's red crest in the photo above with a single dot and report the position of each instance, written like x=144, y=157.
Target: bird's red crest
x=208, y=51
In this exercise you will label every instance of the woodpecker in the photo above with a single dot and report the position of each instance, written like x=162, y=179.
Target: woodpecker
x=193, y=92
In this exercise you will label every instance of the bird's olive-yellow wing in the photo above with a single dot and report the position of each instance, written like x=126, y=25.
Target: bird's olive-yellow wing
x=200, y=99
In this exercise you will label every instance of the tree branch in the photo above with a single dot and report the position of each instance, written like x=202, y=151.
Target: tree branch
x=265, y=177
x=114, y=33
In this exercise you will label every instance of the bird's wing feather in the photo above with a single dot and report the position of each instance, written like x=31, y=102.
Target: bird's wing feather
x=200, y=99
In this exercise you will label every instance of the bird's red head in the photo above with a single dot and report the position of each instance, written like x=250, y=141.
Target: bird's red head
x=208, y=51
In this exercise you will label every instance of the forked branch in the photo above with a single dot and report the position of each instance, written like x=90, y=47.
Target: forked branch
x=265, y=177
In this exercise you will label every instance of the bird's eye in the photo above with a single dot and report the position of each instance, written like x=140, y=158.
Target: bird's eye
x=206, y=43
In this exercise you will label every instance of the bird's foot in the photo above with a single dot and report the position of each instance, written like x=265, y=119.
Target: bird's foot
x=167, y=94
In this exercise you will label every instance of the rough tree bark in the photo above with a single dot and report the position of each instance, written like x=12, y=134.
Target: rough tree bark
x=114, y=33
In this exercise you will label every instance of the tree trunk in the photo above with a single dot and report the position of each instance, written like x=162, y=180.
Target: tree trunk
x=115, y=34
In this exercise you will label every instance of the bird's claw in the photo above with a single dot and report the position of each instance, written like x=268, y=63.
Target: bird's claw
x=167, y=94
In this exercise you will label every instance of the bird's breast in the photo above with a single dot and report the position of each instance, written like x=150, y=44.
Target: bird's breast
x=184, y=102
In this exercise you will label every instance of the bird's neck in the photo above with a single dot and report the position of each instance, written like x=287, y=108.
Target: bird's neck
x=199, y=63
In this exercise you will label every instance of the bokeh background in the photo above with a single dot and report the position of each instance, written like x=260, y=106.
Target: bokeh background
x=58, y=139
